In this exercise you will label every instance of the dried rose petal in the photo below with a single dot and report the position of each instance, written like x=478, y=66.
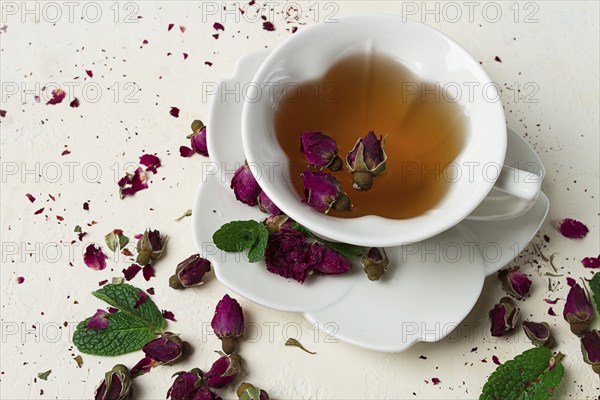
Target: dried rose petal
x=578, y=310
x=141, y=299
x=30, y=197
x=74, y=103
x=130, y=272
x=244, y=186
x=185, y=151
x=167, y=349
x=228, y=323
x=143, y=366
x=189, y=272
x=323, y=192
x=572, y=229
x=185, y=385
x=168, y=315
x=171, y=25
x=130, y=184
x=551, y=312
x=320, y=150
x=174, y=112
x=58, y=96
x=504, y=317
x=591, y=262
x=99, y=321
x=268, y=26
x=218, y=26
x=327, y=261
x=116, y=385
x=89, y=73
x=150, y=290
x=148, y=272
x=366, y=160
x=266, y=205
x=223, y=371
x=590, y=348
x=435, y=381
x=150, y=161
x=285, y=254
x=94, y=258
x=374, y=263
x=539, y=333
x=495, y=360
x=516, y=283
x=550, y=301
x=571, y=282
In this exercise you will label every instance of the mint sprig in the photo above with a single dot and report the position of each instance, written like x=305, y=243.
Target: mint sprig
x=344, y=249
x=534, y=374
x=129, y=329
x=237, y=236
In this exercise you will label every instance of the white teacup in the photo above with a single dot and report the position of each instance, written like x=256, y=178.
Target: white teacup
x=431, y=56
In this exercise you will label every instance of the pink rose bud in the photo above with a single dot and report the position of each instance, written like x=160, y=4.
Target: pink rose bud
x=578, y=310
x=205, y=393
x=228, y=323
x=247, y=391
x=150, y=247
x=186, y=385
x=539, y=333
x=244, y=186
x=504, y=317
x=198, y=138
x=223, y=371
x=189, y=272
x=323, y=192
x=116, y=385
x=367, y=160
x=590, y=348
x=320, y=150
x=167, y=349
x=266, y=205
x=516, y=283
x=374, y=263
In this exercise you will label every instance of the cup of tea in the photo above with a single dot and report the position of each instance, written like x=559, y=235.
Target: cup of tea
x=438, y=112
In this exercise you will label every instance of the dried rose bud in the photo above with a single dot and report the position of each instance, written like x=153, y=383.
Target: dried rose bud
x=150, y=247
x=116, y=385
x=167, y=349
x=186, y=385
x=205, y=393
x=374, y=263
x=516, y=283
x=228, y=323
x=504, y=317
x=285, y=254
x=590, y=348
x=244, y=186
x=143, y=366
x=323, y=192
x=247, y=391
x=578, y=311
x=320, y=150
x=276, y=222
x=223, y=371
x=325, y=261
x=266, y=205
x=198, y=138
x=539, y=333
x=189, y=272
x=366, y=160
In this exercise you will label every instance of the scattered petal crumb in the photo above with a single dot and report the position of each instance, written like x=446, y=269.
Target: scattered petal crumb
x=185, y=151
x=496, y=360
x=550, y=301
x=65, y=152
x=30, y=197
x=150, y=290
x=572, y=229
x=41, y=210
x=89, y=72
x=174, y=112
x=58, y=95
x=148, y=272
x=551, y=312
x=102, y=283
x=547, y=238
x=268, y=26
x=497, y=59
x=422, y=357
x=208, y=63
x=44, y=375
x=185, y=56
x=20, y=280
x=168, y=315
x=591, y=262
x=86, y=206
x=218, y=26
x=182, y=28
x=435, y=381
x=170, y=27
x=145, y=41
x=79, y=360
x=2, y=113
x=216, y=35
x=74, y=103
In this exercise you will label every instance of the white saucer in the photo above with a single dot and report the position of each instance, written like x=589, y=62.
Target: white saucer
x=430, y=287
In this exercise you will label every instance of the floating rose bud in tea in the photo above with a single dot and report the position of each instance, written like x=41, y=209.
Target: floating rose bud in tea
x=516, y=283
x=167, y=349
x=323, y=192
x=150, y=247
x=504, y=317
x=590, y=348
x=367, y=160
x=198, y=138
x=374, y=263
x=186, y=385
x=578, y=310
x=247, y=391
x=539, y=333
x=266, y=205
x=116, y=385
x=228, y=323
x=320, y=150
x=244, y=186
x=189, y=272
x=223, y=371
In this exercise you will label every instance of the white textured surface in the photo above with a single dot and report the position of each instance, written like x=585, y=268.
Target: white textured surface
x=557, y=56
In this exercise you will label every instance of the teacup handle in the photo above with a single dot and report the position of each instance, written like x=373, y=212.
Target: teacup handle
x=520, y=190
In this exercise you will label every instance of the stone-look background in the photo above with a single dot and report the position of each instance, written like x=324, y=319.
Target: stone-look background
x=549, y=76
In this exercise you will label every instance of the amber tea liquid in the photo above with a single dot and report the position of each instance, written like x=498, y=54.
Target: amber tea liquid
x=425, y=129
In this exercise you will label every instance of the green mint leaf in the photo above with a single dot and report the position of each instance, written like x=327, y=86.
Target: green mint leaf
x=116, y=241
x=124, y=297
x=257, y=251
x=187, y=213
x=344, y=249
x=129, y=329
x=527, y=376
x=44, y=375
x=595, y=287
x=236, y=236
x=123, y=335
